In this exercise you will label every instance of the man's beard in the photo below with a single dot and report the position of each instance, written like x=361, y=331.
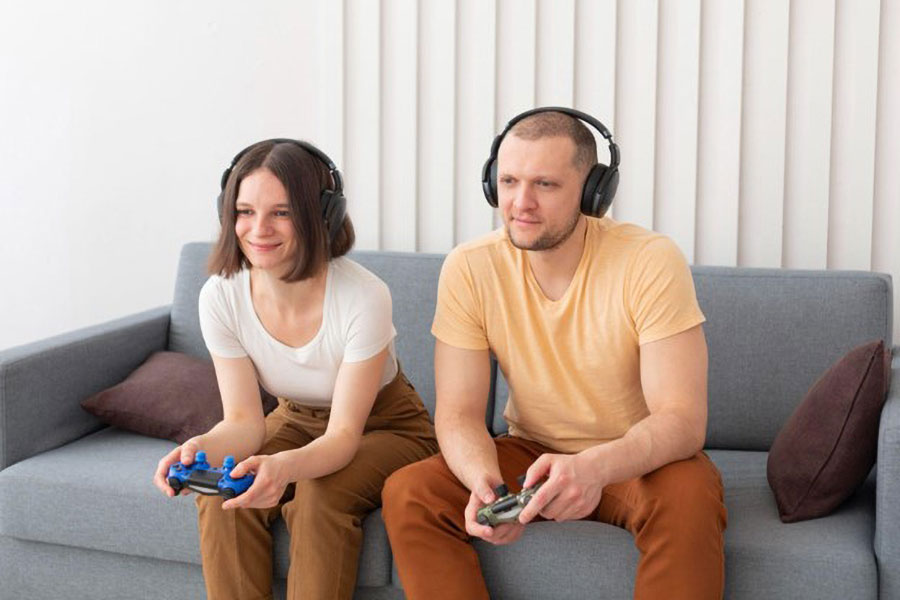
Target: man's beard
x=550, y=239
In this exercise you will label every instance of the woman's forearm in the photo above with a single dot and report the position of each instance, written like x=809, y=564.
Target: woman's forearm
x=240, y=439
x=323, y=456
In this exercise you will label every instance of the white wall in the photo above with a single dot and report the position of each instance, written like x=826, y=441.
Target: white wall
x=754, y=132
x=116, y=121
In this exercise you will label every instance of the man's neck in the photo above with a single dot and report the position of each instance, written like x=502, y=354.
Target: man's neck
x=554, y=269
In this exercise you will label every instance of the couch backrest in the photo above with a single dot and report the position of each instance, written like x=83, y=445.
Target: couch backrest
x=771, y=333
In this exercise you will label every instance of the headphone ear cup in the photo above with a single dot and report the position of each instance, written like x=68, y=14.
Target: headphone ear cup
x=599, y=190
x=606, y=191
x=489, y=181
x=334, y=209
x=591, y=186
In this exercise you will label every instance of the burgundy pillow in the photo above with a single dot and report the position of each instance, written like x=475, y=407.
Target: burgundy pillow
x=172, y=396
x=828, y=446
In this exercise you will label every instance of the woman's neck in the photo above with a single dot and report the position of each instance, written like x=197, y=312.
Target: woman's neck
x=287, y=297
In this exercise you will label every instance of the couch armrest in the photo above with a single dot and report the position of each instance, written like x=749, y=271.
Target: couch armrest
x=887, y=496
x=42, y=384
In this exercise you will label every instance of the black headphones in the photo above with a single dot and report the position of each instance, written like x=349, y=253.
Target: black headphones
x=600, y=184
x=334, y=204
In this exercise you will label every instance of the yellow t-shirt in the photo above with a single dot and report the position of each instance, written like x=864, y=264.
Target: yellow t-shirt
x=573, y=364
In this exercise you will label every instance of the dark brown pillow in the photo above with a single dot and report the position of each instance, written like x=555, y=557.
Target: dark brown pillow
x=171, y=396
x=828, y=446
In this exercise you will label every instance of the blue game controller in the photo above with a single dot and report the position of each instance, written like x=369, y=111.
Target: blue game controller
x=203, y=479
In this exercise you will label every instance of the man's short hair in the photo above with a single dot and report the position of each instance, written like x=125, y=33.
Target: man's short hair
x=557, y=124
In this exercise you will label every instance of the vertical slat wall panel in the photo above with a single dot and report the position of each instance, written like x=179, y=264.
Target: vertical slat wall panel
x=675, y=191
x=853, y=134
x=329, y=132
x=436, y=181
x=516, y=56
x=475, y=77
x=516, y=67
x=595, y=62
x=399, y=94
x=636, y=109
x=362, y=119
x=753, y=133
x=555, y=63
x=886, y=213
x=762, y=133
x=808, y=151
x=718, y=146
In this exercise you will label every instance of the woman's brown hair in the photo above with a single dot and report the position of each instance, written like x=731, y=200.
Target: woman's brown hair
x=304, y=177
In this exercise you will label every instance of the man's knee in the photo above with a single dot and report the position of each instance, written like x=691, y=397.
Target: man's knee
x=410, y=486
x=689, y=492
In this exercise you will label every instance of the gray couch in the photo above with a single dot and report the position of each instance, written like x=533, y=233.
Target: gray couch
x=79, y=517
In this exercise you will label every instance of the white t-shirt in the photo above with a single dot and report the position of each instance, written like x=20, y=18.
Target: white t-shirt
x=356, y=325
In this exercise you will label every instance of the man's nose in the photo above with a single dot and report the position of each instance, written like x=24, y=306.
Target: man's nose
x=523, y=198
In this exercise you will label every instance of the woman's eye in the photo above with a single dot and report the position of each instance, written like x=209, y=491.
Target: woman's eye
x=243, y=212
x=282, y=213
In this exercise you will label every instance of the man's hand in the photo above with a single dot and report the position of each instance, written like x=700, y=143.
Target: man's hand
x=506, y=533
x=268, y=486
x=568, y=494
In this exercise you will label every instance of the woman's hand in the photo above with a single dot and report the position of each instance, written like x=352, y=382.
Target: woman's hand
x=268, y=486
x=185, y=454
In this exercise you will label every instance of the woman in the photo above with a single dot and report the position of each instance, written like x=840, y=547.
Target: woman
x=286, y=310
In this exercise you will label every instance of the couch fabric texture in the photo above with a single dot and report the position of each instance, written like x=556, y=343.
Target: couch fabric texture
x=79, y=516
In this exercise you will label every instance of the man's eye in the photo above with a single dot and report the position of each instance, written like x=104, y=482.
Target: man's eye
x=506, y=180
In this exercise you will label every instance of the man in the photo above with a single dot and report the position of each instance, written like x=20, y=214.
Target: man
x=596, y=327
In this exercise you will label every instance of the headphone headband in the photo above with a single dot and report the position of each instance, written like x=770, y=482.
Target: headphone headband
x=613, y=148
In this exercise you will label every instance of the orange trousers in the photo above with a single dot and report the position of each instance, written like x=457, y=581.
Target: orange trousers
x=676, y=514
x=324, y=516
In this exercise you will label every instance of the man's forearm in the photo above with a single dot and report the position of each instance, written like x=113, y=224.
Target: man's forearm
x=655, y=441
x=468, y=449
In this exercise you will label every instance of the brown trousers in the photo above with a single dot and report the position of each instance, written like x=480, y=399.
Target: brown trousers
x=676, y=514
x=324, y=516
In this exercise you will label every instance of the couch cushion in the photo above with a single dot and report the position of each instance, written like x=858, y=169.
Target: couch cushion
x=828, y=446
x=98, y=493
x=171, y=396
x=412, y=279
x=184, y=326
x=830, y=557
x=772, y=333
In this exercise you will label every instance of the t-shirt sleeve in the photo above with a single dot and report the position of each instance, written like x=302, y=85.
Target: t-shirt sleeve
x=217, y=322
x=370, y=327
x=458, y=317
x=660, y=292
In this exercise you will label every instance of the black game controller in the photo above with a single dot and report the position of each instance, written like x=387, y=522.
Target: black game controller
x=507, y=507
